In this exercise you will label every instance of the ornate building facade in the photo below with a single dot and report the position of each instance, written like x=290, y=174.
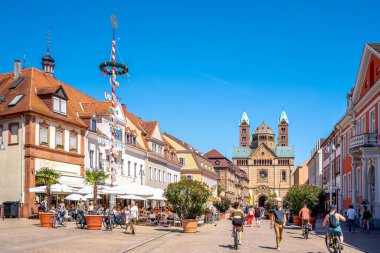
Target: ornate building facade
x=268, y=162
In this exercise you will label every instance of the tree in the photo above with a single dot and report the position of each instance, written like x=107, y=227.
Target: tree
x=219, y=189
x=94, y=177
x=222, y=205
x=270, y=203
x=46, y=176
x=189, y=196
x=299, y=195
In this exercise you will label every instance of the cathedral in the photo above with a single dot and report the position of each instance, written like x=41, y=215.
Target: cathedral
x=268, y=161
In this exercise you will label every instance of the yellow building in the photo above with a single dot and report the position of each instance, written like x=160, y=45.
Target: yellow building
x=195, y=165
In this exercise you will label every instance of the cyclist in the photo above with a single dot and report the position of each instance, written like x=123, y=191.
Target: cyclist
x=304, y=214
x=334, y=219
x=237, y=217
x=80, y=209
x=61, y=212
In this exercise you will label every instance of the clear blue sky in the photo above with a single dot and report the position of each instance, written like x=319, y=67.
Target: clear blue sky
x=196, y=65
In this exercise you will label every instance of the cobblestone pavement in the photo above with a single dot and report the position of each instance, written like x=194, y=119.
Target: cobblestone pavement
x=26, y=236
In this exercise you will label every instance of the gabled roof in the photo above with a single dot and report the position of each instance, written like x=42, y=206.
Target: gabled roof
x=36, y=80
x=263, y=129
x=149, y=127
x=214, y=154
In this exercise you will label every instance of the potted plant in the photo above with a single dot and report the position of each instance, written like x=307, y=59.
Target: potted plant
x=222, y=206
x=298, y=195
x=46, y=176
x=94, y=177
x=190, y=197
x=270, y=205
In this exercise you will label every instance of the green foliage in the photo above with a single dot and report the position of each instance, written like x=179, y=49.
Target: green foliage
x=219, y=189
x=59, y=146
x=94, y=177
x=188, y=196
x=270, y=203
x=299, y=195
x=223, y=205
x=46, y=176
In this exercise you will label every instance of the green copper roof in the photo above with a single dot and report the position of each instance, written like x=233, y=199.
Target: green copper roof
x=283, y=117
x=284, y=151
x=241, y=152
x=244, y=118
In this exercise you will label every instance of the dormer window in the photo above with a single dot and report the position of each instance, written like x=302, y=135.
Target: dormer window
x=134, y=140
x=128, y=138
x=59, y=105
x=93, y=124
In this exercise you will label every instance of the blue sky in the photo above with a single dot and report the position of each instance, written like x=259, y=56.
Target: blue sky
x=196, y=65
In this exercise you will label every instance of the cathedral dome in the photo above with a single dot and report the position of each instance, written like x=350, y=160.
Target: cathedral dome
x=263, y=129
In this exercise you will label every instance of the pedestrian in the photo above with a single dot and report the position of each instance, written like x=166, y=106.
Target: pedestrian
x=304, y=214
x=134, y=213
x=257, y=216
x=246, y=209
x=278, y=222
x=44, y=205
x=127, y=217
x=80, y=209
x=251, y=213
x=91, y=208
x=351, y=218
x=366, y=217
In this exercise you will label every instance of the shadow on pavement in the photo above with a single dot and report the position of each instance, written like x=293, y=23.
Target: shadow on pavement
x=266, y=247
x=231, y=247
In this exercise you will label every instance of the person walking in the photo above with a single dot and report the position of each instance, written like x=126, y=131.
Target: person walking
x=127, y=212
x=133, y=216
x=366, y=217
x=304, y=214
x=81, y=208
x=351, y=218
x=251, y=213
x=278, y=222
x=257, y=216
x=44, y=205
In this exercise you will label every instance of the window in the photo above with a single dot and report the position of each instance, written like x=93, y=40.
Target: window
x=93, y=124
x=344, y=186
x=344, y=146
x=59, y=138
x=118, y=135
x=189, y=177
x=1, y=134
x=91, y=158
x=363, y=124
x=44, y=135
x=15, y=100
x=122, y=167
x=155, y=174
x=283, y=130
x=358, y=185
x=244, y=139
x=349, y=184
x=141, y=170
x=372, y=122
x=283, y=175
x=59, y=105
x=182, y=161
x=73, y=141
x=243, y=131
x=128, y=138
x=13, y=133
x=135, y=170
x=100, y=160
x=134, y=140
x=217, y=162
x=159, y=175
x=163, y=176
x=150, y=173
x=129, y=168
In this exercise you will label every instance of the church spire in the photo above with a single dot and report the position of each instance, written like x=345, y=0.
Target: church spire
x=48, y=63
x=244, y=131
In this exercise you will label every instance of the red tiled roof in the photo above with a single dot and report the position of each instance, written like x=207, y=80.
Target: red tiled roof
x=214, y=154
x=149, y=127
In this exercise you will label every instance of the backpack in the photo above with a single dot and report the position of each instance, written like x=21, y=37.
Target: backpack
x=333, y=220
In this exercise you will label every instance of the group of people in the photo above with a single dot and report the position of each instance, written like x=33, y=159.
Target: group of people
x=364, y=216
x=254, y=213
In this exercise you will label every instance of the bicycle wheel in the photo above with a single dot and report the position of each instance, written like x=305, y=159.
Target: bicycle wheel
x=306, y=235
x=53, y=222
x=236, y=241
x=328, y=246
x=79, y=223
x=122, y=222
x=63, y=222
x=337, y=245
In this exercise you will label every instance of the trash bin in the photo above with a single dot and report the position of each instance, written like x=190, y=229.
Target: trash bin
x=11, y=209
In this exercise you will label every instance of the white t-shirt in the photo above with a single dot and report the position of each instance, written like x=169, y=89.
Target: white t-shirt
x=351, y=213
x=134, y=211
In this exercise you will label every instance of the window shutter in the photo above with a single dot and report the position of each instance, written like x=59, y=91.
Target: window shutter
x=56, y=104
x=63, y=106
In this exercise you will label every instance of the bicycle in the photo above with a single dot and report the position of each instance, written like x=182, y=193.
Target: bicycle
x=306, y=230
x=56, y=220
x=236, y=238
x=108, y=221
x=118, y=220
x=80, y=221
x=335, y=246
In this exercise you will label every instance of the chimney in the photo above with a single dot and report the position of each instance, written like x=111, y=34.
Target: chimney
x=16, y=68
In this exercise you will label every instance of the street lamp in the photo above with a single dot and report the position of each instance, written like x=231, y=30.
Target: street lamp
x=329, y=150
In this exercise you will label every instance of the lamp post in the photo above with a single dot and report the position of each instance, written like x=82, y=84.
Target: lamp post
x=329, y=150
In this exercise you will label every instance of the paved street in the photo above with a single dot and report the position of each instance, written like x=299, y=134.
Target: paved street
x=26, y=236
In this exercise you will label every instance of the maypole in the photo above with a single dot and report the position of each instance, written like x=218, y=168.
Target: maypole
x=116, y=70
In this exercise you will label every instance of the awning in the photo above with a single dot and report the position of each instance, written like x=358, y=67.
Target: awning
x=130, y=189
x=55, y=188
x=158, y=194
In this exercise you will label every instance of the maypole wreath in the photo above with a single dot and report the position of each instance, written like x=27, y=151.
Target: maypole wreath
x=122, y=69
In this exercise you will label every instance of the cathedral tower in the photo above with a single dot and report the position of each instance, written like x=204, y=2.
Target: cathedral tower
x=283, y=128
x=48, y=63
x=244, y=131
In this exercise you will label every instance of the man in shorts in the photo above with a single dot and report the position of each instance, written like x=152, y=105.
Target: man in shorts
x=334, y=219
x=304, y=214
x=257, y=216
x=133, y=216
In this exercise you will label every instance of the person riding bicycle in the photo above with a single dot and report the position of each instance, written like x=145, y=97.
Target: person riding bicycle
x=80, y=209
x=237, y=217
x=61, y=212
x=304, y=214
x=334, y=219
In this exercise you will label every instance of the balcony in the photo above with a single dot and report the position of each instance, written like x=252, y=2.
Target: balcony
x=365, y=140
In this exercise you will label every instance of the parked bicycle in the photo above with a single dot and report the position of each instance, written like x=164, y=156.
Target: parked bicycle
x=108, y=220
x=56, y=220
x=118, y=220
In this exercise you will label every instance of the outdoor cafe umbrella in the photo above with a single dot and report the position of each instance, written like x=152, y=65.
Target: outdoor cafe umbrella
x=88, y=189
x=91, y=196
x=130, y=196
x=75, y=197
x=130, y=189
x=55, y=188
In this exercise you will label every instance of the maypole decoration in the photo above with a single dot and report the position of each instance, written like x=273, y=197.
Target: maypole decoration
x=114, y=69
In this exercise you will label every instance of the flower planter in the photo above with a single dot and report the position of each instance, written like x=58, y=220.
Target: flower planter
x=312, y=221
x=45, y=219
x=223, y=215
x=94, y=222
x=270, y=215
x=189, y=225
x=297, y=220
